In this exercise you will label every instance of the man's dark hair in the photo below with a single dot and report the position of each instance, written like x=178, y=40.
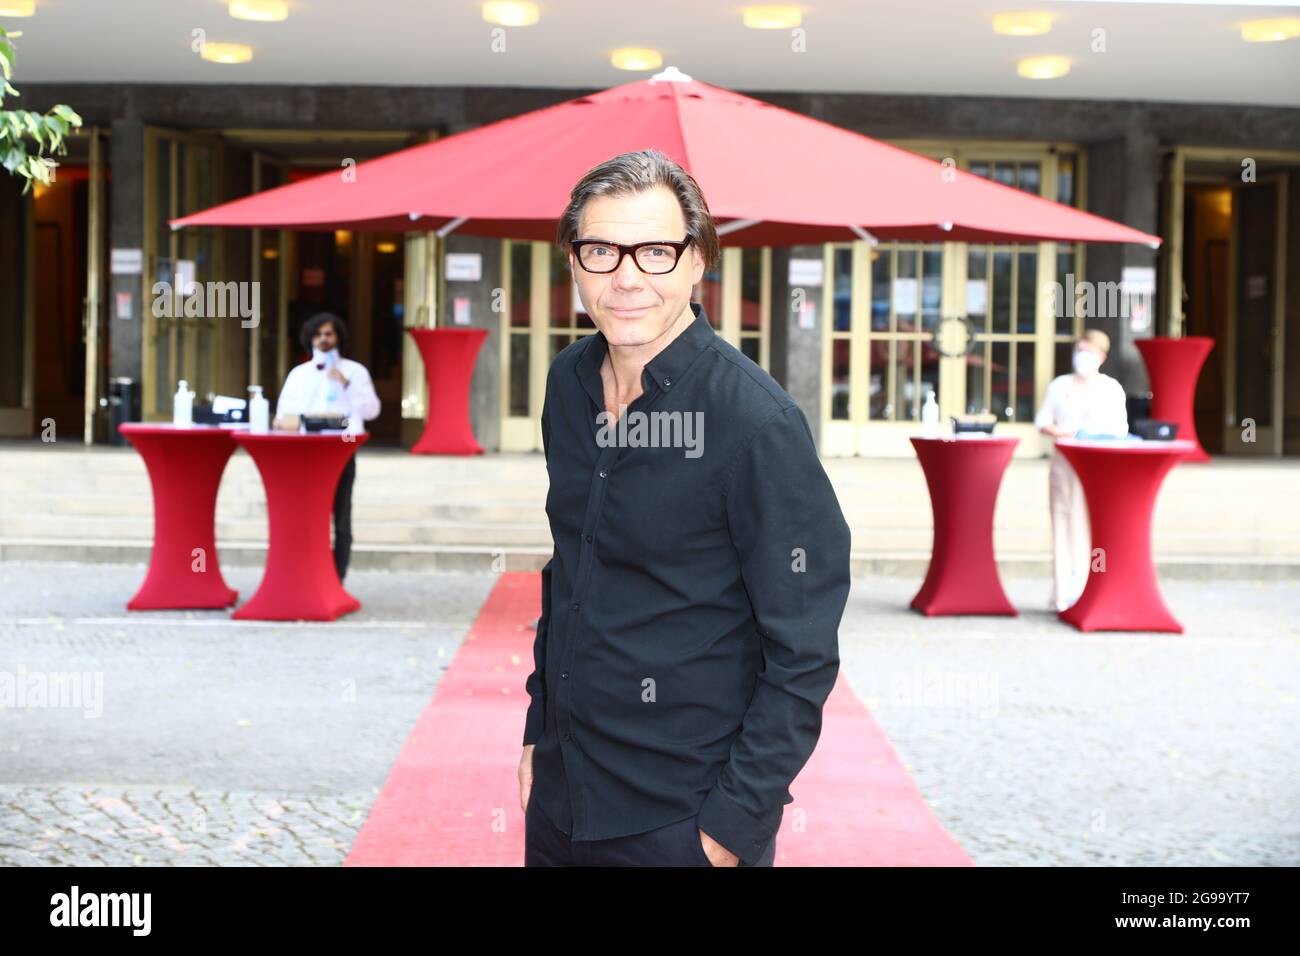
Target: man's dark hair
x=308, y=330
x=631, y=173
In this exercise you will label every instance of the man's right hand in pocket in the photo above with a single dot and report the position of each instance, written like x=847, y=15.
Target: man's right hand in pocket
x=525, y=776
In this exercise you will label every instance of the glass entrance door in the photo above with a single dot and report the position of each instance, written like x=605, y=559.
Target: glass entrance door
x=973, y=323
x=181, y=174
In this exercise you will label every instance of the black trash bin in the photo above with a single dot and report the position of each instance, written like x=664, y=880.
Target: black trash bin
x=123, y=406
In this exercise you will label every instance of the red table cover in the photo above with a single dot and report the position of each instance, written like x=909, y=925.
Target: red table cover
x=1120, y=482
x=963, y=475
x=300, y=474
x=185, y=467
x=448, y=356
x=1173, y=366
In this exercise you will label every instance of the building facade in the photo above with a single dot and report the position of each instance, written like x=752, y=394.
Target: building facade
x=92, y=319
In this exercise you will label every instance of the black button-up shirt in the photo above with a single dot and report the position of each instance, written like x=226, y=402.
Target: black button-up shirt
x=691, y=608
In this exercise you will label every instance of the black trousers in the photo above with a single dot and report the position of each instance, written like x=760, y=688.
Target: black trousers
x=343, y=517
x=677, y=844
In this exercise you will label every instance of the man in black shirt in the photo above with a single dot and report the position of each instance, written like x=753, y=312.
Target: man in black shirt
x=690, y=611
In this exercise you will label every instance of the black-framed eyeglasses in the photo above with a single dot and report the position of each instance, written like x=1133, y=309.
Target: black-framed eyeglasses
x=656, y=258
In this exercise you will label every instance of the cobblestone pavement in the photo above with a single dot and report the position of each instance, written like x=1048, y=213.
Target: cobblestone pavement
x=1036, y=744
x=212, y=741
x=240, y=743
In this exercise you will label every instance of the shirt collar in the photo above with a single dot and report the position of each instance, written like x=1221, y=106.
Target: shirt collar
x=663, y=370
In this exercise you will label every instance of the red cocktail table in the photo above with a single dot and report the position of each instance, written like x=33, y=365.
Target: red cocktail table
x=448, y=356
x=300, y=474
x=1120, y=480
x=963, y=475
x=1173, y=366
x=185, y=466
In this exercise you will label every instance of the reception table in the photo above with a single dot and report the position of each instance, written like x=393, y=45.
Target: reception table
x=300, y=473
x=1173, y=366
x=185, y=466
x=963, y=474
x=448, y=356
x=1120, y=480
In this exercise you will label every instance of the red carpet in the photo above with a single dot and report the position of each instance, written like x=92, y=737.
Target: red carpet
x=452, y=797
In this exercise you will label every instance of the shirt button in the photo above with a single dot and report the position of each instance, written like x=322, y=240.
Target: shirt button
x=564, y=674
x=588, y=539
x=575, y=607
x=602, y=474
x=568, y=736
x=668, y=383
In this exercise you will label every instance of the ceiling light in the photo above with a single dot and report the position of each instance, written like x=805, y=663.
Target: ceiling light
x=1043, y=67
x=17, y=8
x=266, y=11
x=1270, y=31
x=1026, y=23
x=226, y=52
x=773, y=18
x=636, y=58
x=385, y=247
x=511, y=14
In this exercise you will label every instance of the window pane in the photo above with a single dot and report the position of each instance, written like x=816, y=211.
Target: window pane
x=1000, y=373
x=1031, y=178
x=977, y=301
x=977, y=371
x=1027, y=283
x=561, y=311
x=1001, y=292
x=905, y=292
x=843, y=298
x=878, y=404
x=750, y=345
x=880, y=289
x=1024, y=403
x=1067, y=279
x=840, y=378
x=931, y=289
x=1004, y=173
x=1065, y=166
x=751, y=288
x=519, y=343
x=907, y=395
x=521, y=272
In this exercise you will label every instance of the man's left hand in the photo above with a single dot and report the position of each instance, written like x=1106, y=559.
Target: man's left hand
x=718, y=854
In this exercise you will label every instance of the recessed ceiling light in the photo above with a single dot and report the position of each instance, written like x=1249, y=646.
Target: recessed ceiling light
x=636, y=58
x=386, y=247
x=226, y=52
x=1270, y=31
x=1025, y=23
x=1043, y=67
x=773, y=17
x=266, y=11
x=508, y=13
x=17, y=8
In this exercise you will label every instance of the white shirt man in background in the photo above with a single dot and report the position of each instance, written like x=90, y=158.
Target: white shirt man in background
x=1085, y=404
x=328, y=384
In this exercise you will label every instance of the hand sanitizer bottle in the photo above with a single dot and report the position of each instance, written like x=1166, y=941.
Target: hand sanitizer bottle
x=930, y=416
x=259, y=411
x=183, y=406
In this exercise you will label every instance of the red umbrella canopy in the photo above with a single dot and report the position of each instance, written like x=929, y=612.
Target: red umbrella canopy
x=769, y=175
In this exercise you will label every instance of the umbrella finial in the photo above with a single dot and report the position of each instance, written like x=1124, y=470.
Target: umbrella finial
x=670, y=75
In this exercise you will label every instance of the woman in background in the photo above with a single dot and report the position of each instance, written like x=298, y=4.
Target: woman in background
x=1086, y=404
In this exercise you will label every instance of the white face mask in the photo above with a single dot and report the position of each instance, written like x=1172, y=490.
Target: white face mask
x=1086, y=363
